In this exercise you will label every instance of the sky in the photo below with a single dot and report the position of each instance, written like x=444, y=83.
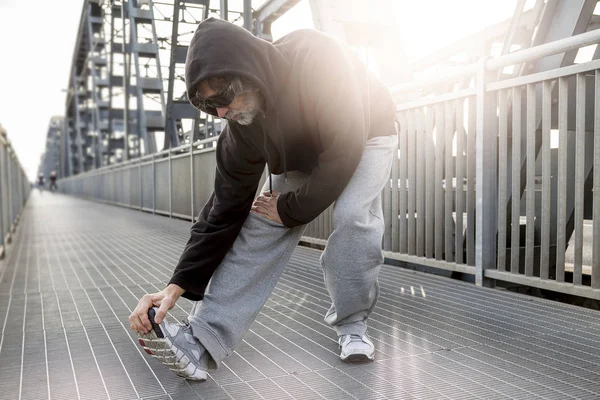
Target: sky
x=37, y=39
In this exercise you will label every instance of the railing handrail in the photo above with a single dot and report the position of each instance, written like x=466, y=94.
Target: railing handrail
x=517, y=57
x=546, y=49
x=416, y=84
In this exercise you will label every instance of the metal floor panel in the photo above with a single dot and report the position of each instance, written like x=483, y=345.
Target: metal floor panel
x=76, y=270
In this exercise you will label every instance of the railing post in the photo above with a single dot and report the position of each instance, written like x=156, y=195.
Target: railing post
x=10, y=192
x=486, y=178
x=153, y=185
x=4, y=182
x=19, y=193
x=2, y=199
x=192, y=179
x=141, y=185
x=170, y=189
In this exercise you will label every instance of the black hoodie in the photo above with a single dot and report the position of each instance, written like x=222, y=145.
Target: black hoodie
x=321, y=106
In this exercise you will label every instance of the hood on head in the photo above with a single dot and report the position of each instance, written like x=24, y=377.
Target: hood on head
x=221, y=48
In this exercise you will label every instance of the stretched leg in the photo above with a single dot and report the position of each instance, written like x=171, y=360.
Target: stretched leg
x=353, y=258
x=245, y=279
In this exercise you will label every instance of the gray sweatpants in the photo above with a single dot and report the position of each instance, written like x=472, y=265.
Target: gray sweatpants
x=351, y=261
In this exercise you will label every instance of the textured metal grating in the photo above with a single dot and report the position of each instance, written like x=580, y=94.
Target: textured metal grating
x=77, y=268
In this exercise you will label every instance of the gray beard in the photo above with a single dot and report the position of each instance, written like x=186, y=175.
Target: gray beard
x=251, y=108
x=246, y=117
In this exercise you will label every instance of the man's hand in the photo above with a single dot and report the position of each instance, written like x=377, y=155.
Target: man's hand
x=164, y=300
x=266, y=205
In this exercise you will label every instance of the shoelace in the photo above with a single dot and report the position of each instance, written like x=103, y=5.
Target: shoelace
x=185, y=326
x=353, y=338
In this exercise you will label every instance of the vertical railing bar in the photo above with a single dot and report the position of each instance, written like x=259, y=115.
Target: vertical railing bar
x=460, y=174
x=18, y=191
x=329, y=221
x=420, y=186
x=561, y=201
x=430, y=182
x=320, y=226
x=579, y=177
x=192, y=179
x=502, y=176
x=153, y=184
x=170, y=185
x=411, y=182
x=323, y=225
x=326, y=223
x=486, y=213
x=321, y=222
x=317, y=229
x=386, y=195
x=439, y=170
x=12, y=193
x=15, y=202
x=448, y=193
x=2, y=199
x=515, y=235
x=471, y=181
x=402, y=189
x=546, y=183
x=530, y=196
x=10, y=197
x=141, y=186
x=595, y=282
x=394, y=206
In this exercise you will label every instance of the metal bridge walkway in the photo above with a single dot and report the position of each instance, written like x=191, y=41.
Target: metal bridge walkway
x=76, y=269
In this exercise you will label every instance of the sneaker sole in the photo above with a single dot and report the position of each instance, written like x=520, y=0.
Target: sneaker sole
x=160, y=347
x=357, y=358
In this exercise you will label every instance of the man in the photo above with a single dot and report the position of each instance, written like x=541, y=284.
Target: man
x=307, y=108
x=53, y=181
x=40, y=181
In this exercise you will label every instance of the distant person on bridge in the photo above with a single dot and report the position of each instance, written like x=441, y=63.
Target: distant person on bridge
x=53, y=186
x=308, y=108
x=40, y=181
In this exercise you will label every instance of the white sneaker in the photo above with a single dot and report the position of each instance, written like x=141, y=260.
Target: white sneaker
x=356, y=348
x=176, y=347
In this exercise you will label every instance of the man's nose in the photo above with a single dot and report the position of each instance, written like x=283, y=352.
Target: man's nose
x=221, y=111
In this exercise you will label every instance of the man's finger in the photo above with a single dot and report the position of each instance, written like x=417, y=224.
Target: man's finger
x=137, y=325
x=260, y=210
x=260, y=203
x=165, y=306
x=143, y=316
x=146, y=303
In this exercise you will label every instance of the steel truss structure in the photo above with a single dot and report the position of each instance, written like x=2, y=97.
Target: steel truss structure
x=126, y=96
x=53, y=158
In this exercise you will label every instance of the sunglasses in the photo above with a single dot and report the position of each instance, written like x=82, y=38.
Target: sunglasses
x=221, y=99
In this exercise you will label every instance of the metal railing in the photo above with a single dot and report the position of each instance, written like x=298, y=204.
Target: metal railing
x=14, y=191
x=463, y=156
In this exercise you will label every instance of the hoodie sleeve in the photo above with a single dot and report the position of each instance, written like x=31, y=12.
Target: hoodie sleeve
x=238, y=173
x=334, y=93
